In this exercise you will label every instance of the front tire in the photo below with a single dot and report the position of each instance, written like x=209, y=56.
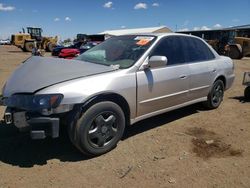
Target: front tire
x=215, y=96
x=29, y=46
x=235, y=52
x=98, y=129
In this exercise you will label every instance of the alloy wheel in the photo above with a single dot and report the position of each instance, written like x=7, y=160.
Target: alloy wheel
x=102, y=130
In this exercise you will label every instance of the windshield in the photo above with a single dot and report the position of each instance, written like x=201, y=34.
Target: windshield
x=122, y=51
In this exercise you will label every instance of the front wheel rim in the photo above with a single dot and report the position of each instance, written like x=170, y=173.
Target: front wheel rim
x=103, y=130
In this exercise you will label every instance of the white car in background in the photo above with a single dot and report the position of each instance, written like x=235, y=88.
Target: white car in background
x=5, y=42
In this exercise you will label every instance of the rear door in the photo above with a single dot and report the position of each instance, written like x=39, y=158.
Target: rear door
x=163, y=87
x=202, y=66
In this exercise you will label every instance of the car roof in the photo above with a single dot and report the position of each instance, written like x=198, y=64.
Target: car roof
x=162, y=34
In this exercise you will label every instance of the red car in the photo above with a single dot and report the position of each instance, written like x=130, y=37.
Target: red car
x=70, y=53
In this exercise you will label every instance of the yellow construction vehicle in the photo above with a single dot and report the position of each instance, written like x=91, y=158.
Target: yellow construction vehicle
x=240, y=48
x=33, y=37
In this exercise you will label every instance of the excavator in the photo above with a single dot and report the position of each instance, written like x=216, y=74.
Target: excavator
x=33, y=38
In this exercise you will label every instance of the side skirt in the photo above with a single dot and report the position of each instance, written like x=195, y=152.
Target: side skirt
x=132, y=121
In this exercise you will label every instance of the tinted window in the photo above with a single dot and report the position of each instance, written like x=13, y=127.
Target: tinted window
x=196, y=50
x=172, y=48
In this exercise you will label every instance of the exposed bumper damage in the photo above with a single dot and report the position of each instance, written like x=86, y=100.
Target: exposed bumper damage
x=38, y=126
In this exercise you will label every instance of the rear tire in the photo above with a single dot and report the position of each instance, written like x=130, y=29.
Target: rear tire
x=28, y=46
x=215, y=96
x=235, y=52
x=247, y=93
x=98, y=129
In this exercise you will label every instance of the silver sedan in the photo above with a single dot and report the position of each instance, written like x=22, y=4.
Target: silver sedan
x=115, y=84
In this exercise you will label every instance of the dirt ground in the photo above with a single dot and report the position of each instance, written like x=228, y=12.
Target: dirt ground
x=189, y=147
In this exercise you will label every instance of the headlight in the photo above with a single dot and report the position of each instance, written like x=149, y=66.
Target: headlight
x=34, y=102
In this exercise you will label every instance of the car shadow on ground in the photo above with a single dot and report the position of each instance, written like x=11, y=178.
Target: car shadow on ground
x=19, y=150
x=241, y=99
x=161, y=120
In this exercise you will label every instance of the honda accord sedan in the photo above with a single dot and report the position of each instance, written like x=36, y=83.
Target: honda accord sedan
x=113, y=85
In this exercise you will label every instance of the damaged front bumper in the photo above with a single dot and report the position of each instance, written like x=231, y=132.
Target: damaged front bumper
x=40, y=127
x=39, y=114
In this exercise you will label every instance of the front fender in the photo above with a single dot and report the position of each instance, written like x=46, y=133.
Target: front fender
x=78, y=91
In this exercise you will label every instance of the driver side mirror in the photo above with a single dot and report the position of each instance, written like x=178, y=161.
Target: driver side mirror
x=156, y=61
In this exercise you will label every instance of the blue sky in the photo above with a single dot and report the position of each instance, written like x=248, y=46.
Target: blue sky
x=67, y=18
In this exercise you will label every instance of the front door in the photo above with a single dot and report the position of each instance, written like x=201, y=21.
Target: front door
x=163, y=87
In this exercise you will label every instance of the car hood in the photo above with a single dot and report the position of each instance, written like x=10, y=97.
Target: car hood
x=40, y=72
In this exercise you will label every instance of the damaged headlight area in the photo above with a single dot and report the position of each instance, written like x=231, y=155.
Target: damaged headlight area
x=33, y=102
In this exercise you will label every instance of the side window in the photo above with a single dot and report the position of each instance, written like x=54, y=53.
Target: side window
x=171, y=47
x=196, y=50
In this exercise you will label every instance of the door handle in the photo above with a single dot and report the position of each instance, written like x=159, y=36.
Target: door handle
x=183, y=77
x=214, y=70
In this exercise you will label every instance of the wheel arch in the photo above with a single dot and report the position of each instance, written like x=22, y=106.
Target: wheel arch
x=112, y=97
x=223, y=79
